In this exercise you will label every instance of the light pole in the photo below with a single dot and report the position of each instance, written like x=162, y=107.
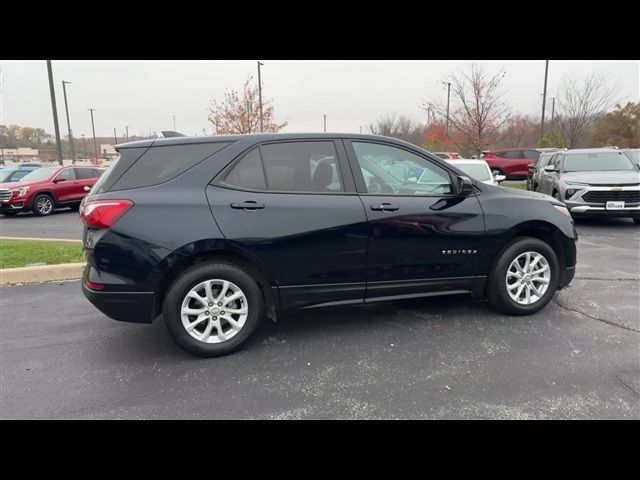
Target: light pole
x=84, y=146
x=174, y=123
x=448, y=102
x=260, y=92
x=115, y=137
x=55, y=112
x=93, y=128
x=544, y=98
x=325, y=122
x=126, y=127
x=66, y=107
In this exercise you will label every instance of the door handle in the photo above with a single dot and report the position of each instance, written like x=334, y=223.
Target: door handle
x=248, y=205
x=385, y=207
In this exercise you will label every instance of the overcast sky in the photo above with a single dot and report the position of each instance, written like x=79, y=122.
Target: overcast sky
x=147, y=94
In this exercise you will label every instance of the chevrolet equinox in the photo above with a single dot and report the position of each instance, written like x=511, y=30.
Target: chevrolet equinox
x=215, y=233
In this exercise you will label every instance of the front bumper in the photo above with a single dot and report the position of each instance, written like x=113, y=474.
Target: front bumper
x=601, y=211
x=12, y=207
x=579, y=206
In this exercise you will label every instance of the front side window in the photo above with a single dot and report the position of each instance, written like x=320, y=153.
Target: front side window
x=544, y=160
x=395, y=171
x=306, y=167
x=67, y=174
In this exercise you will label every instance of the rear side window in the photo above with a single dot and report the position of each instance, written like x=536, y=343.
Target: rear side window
x=85, y=173
x=513, y=155
x=161, y=164
x=531, y=154
x=310, y=167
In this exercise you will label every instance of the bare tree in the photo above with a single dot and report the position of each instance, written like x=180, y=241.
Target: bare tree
x=519, y=131
x=240, y=112
x=580, y=103
x=478, y=108
x=401, y=127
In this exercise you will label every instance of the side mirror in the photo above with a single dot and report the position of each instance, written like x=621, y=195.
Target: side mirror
x=550, y=168
x=463, y=185
x=59, y=179
x=500, y=178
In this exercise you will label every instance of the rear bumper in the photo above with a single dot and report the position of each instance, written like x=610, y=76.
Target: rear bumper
x=137, y=307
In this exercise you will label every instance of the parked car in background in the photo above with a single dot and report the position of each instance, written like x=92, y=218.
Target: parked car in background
x=44, y=189
x=214, y=233
x=594, y=182
x=511, y=162
x=14, y=174
x=534, y=169
x=477, y=169
x=633, y=154
x=447, y=155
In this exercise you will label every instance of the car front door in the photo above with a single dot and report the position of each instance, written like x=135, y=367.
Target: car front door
x=547, y=179
x=423, y=238
x=293, y=206
x=65, y=185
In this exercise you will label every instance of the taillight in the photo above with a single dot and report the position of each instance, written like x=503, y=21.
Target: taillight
x=93, y=285
x=104, y=213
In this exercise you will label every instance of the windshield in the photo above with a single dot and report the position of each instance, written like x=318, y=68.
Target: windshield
x=597, y=162
x=474, y=170
x=39, y=174
x=634, y=155
x=6, y=174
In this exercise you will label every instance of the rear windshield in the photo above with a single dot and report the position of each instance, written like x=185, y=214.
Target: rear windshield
x=474, y=170
x=161, y=164
x=597, y=162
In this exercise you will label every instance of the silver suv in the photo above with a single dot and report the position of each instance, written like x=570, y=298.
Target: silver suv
x=593, y=182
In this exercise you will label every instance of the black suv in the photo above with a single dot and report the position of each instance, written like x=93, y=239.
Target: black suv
x=214, y=233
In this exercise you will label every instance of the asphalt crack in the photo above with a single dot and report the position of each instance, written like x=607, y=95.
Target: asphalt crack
x=593, y=317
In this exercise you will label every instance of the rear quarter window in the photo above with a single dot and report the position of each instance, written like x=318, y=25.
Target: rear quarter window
x=161, y=164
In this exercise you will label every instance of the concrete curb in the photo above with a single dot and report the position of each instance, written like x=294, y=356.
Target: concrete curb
x=39, y=239
x=39, y=274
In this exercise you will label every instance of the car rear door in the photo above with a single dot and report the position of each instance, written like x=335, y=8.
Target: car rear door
x=293, y=206
x=422, y=237
x=547, y=179
x=85, y=177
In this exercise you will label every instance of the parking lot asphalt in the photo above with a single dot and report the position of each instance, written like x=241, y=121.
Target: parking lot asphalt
x=430, y=358
x=63, y=223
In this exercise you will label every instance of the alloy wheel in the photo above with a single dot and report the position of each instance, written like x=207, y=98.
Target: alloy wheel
x=528, y=278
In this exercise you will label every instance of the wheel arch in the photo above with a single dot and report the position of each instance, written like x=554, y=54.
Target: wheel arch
x=205, y=251
x=545, y=231
x=46, y=192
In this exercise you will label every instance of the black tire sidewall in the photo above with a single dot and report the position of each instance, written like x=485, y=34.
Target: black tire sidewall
x=34, y=208
x=185, y=282
x=498, y=294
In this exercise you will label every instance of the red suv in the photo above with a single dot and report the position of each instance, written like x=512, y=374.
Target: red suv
x=512, y=162
x=47, y=188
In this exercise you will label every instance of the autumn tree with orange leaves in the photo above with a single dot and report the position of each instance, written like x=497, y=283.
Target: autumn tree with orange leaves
x=240, y=112
x=478, y=108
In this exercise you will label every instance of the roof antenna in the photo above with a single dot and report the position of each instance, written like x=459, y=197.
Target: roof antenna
x=171, y=133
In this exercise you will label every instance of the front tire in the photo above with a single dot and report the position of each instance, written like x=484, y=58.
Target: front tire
x=43, y=205
x=524, y=278
x=212, y=309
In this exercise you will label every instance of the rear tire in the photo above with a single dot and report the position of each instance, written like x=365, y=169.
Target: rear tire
x=43, y=205
x=229, y=331
x=498, y=282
